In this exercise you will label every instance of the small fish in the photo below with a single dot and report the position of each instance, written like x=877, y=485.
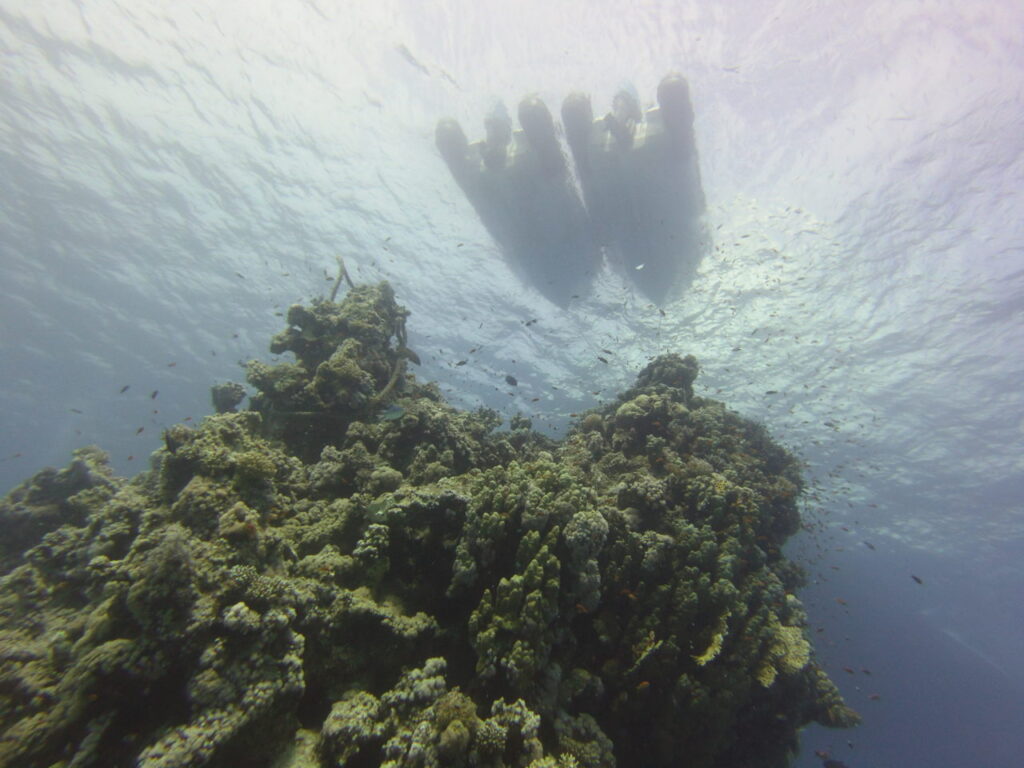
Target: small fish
x=528, y=323
x=187, y=418
x=461, y=362
x=662, y=311
x=155, y=393
x=874, y=697
x=869, y=545
x=771, y=392
x=460, y=245
x=75, y=410
x=392, y=413
x=534, y=399
x=602, y=360
x=840, y=601
x=125, y=388
x=511, y=381
x=407, y=55
x=139, y=430
x=917, y=579
x=638, y=267
x=239, y=274
x=171, y=365
x=849, y=670
x=607, y=351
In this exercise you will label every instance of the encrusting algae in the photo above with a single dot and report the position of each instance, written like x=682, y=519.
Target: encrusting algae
x=306, y=583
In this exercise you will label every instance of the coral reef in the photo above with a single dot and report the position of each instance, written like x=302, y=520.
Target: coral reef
x=309, y=578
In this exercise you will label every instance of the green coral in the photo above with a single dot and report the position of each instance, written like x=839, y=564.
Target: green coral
x=417, y=591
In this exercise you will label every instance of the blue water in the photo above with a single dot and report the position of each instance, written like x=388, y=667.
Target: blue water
x=175, y=175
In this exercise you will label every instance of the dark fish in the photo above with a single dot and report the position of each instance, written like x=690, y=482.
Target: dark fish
x=511, y=381
x=155, y=393
x=75, y=410
x=139, y=430
x=460, y=245
x=916, y=578
x=662, y=311
x=607, y=351
x=125, y=388
x=534, y=399
x=239, y=274
x=602, y=360
x=171, y=365
x=461, y=362
x=771, y=392
x=528, y=323
x=869, y=545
